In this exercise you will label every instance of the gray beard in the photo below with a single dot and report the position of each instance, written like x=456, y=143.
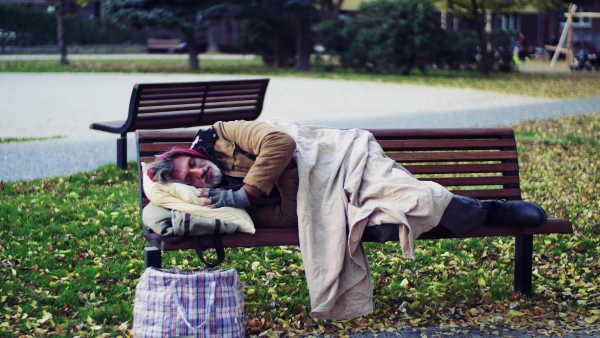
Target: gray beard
x=216, y=176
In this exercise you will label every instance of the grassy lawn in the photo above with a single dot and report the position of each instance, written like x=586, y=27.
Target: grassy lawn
x=23, y=139
x=548, y=85
x=71, y=254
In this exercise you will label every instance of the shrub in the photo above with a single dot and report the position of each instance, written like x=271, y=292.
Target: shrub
x=502, y=51
x=389, y=36
x=26, y=26
x=458, y=50
x=259, y=38
x=454, y=50
x=32, y=26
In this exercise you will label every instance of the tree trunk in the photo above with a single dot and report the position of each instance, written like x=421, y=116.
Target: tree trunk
x=302, y=50
x=190, y=38
x=213, y=46
x=450, y=15
x=479, y=26
x=62, y=42
x=276, y=47
x=336, y=10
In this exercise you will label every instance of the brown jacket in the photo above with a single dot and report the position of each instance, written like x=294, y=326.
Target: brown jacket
x=273, y=150
x=272, y=147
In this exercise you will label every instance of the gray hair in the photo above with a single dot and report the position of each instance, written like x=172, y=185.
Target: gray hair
x=162, y=169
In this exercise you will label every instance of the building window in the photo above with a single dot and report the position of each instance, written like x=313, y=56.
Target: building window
x=580, y=21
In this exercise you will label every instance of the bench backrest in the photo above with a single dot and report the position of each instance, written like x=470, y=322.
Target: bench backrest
x=476, y=162
x=162, y=43
x=189, y=104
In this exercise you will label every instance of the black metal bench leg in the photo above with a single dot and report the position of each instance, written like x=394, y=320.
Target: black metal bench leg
x=523, y=263
x=152, y=257
x=122, y=151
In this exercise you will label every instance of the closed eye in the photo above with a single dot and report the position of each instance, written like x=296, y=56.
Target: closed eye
x=188, y=178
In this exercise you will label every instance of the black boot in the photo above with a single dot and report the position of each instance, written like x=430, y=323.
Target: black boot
x=518, y=213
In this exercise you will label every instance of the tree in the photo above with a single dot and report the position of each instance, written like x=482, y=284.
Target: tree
x=478, y=11
x=330, y=8
x=60, y=8
x=278, y=30
x=186, y=16
x=389, y=36
x=303, y=13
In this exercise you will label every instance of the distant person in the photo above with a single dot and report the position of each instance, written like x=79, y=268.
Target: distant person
x=523, y=47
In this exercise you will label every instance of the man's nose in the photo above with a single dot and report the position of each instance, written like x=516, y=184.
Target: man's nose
x=199, y=172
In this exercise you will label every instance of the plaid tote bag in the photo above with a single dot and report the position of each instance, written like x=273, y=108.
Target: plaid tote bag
x=174, y=303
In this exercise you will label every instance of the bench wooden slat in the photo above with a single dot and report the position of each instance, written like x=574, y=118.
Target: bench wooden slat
x=193, y=94
x=452, y=156
x=471, y=181
x=461, y=168
x=189, y=119
x=220, y=83
x=445, y=144
x=490, y=194
x=146, y=136
x=195, y=100
x=162, y=147
x=195, y=108
x=441, y=133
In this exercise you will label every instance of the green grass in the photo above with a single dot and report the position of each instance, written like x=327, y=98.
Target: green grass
x=71, y=254
x=547, y=85
x=25, y=139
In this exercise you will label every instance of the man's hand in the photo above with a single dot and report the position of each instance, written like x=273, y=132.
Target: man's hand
x=218, y=198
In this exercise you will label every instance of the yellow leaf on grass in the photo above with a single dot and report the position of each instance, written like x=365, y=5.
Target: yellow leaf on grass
x=591, y=320
x=515, y=313
x=404, y=283
x=481, y=282
x=46, y=316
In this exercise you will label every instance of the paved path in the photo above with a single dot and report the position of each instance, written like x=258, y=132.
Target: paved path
x=64, y=104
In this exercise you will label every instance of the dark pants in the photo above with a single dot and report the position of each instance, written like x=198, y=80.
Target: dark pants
x=461, y=215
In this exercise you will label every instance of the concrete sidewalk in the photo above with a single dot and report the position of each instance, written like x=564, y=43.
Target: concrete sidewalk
x=65, y=104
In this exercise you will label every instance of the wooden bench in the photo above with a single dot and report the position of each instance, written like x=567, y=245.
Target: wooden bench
x=163, y=45
x=186, y=104
x=476, y=162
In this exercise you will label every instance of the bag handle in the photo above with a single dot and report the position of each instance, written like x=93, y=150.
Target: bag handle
x=217, y=243
x=199, y=246
x=208, y=307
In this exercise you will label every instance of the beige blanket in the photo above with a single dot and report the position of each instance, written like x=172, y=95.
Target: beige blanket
x=347, y=183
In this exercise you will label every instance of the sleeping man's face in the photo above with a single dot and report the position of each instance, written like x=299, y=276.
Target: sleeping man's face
x=197, y=172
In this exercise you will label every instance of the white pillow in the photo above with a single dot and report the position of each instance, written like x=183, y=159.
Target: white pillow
x=182, y=197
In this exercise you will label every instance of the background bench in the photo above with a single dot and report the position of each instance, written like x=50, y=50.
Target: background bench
x=186, y=104
x=476, y=162
x=163, y=45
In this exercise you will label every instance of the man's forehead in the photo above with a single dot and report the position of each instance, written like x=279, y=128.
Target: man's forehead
x=180, y=163
x=183, y=162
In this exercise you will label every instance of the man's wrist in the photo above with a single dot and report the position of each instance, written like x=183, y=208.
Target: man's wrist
x=252, y=191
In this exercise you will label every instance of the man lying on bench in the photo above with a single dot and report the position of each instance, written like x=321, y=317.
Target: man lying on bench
x=238, y=164
x=286, y=175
